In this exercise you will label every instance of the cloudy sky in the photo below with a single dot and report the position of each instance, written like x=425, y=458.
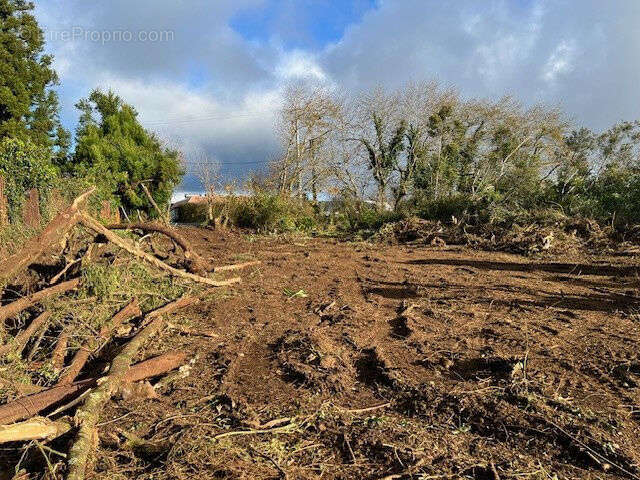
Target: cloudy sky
x=207, y=75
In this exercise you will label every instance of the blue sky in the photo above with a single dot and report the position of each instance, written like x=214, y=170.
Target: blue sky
x=214, y=87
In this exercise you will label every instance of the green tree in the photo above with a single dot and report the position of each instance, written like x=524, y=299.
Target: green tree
x=28, y=106
x=25, y=165
x=119, y=155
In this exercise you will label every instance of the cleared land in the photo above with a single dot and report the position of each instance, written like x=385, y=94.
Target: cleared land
x=354, y=360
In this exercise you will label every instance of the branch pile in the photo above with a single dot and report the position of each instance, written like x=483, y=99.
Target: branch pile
x=40, y=414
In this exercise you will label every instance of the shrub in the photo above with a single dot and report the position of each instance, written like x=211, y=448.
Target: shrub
x=24, y=166
x=266, y=212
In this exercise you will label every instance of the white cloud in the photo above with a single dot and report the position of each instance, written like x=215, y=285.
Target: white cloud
x=560, y=62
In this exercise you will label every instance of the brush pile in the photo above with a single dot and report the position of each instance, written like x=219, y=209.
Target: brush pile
x=72, y=328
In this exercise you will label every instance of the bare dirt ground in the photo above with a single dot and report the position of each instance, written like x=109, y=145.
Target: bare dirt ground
x=342, y=360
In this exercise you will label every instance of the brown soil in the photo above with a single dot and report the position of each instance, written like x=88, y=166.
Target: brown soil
x=477, y=365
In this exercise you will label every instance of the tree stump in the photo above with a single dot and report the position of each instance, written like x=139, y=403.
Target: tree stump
x=31, y=211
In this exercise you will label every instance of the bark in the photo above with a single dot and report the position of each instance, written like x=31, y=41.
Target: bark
x=27, y=407
x=19, y=342
x=60, y=352
x=125, y=244
x=80, y=358
x=195, y=263
x=88, y=415
x=54, y=232
x=33, y=429
x=32, y=405
x=12, y=309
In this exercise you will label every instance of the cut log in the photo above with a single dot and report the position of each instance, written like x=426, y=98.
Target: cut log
x=54, y=232
x=23, y=303
x=125, y=244
x=195, y=263
x=29, y=406
x=88, y=415
x=19, y=342
x=33, y=429
x=80, y=358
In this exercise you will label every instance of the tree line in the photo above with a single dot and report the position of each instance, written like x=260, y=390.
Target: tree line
x=131, y=167
x=423, y=148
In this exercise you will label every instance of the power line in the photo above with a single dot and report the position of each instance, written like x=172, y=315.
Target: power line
x=206, y=119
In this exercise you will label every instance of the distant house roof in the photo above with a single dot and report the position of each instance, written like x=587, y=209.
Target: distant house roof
x=189, y=199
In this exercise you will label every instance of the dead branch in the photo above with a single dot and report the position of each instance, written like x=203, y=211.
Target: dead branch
x=132, y=310
x=33, y=429
x=55, y=279
x=153, y=202
x=60, y=351
x=195, y=263
x=32, y=405
x=92, y=224
x=23, y=303
x=19, y=342
x=27, y=407
x=56, y=230
x=237, y=266
x=88, y=415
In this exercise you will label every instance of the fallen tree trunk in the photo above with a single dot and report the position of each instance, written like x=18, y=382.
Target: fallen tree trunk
x=88, y=415
x=195, y=263
x=97, y=227
x=19, y=342
x=36, y=428
x=23, y=303
x=29, y=406
x=132, y=310
x=52, y=234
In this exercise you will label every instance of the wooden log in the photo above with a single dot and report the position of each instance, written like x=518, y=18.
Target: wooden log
x=14, y=308
x=195, y=263
x=18, y=343
x=125, y=244
x=80, y=358
x=31, y=405
x=36, y=428
x=54, y=232
x=88, y=415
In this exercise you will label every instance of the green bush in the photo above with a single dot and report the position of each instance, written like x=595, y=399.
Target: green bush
x=265, y=212
x=24, y=166
x=444, y=208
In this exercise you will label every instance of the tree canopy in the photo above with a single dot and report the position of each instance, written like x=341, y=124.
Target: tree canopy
x=119, y=155
x=28, y=105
